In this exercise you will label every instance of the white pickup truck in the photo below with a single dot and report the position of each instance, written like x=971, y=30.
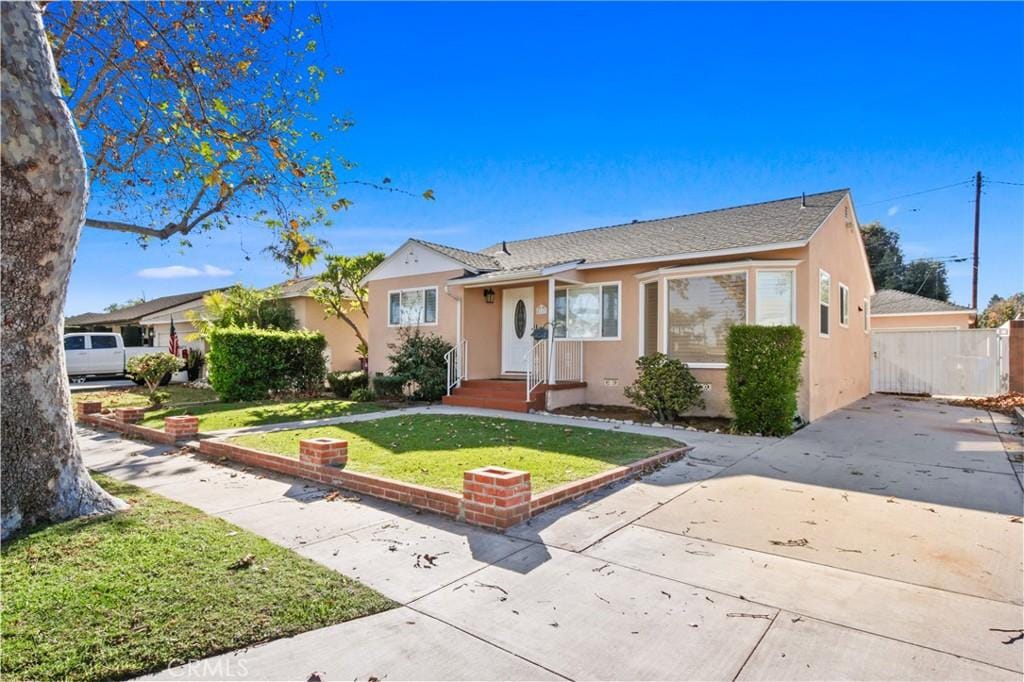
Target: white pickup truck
x=98, y=353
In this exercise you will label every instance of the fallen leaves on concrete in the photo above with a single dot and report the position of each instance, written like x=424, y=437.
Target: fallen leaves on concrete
x=1003, y=404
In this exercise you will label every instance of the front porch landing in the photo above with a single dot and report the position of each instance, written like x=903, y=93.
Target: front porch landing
x=504, y=394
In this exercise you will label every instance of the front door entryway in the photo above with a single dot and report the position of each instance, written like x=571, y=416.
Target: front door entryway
x=516, y=325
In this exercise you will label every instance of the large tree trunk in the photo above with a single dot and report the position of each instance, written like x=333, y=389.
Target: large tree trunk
x=45, y=188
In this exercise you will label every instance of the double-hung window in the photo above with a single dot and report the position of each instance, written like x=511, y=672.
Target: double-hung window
x=844, y=305
x=701, y=309
x=411, y=307
x=776, y=300
x=590, y=311
x=824, y=299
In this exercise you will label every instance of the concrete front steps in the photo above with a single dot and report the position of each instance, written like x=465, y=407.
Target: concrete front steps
x=502, y=394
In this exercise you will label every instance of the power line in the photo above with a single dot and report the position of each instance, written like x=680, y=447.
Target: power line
x=1004, y=182
x=914, y=194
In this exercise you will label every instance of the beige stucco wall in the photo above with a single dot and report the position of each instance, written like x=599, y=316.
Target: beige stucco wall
x=956, y=320
x=839, y=366
x=341, y=338
x=381, y=334
x=835, y=371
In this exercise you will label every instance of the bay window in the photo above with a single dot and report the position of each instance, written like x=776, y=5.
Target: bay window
x=412, y=307
x=701, y=310
x=776, y=299
x=589, y=311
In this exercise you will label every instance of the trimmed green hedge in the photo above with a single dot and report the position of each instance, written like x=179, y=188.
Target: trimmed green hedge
x=664, y=387
x=343, y=383
x=250, y=364
x=389, y=387
x=763, y=376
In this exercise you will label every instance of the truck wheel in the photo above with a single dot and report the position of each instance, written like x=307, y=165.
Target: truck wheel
x=166, y=379
x=138, y=382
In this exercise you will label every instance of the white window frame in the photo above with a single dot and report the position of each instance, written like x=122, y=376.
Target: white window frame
x=792, y=312
x=590, y=285
x=437, y=307
x=827, y=304
x=641, y=307
x=710, y=273
x=844, y=306
x=867, y=316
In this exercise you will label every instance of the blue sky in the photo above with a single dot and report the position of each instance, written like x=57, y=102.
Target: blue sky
x=528, y=119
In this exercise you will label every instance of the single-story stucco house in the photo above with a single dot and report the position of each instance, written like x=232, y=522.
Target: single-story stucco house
x=899, y=310
x=673, y=285
x=341, y=338
x=128, y=321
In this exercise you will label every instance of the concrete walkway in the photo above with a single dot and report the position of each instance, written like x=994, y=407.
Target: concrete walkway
x=882, y=542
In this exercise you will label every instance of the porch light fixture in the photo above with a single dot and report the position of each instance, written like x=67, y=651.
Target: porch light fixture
x=489, y=295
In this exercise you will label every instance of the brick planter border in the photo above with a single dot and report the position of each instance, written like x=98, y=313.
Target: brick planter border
x=127, y=428
x=452, y=505
x=469, y=506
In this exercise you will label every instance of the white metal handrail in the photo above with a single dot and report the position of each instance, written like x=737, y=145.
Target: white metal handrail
x=455, y=362
x=536, y=366
x=567, y=360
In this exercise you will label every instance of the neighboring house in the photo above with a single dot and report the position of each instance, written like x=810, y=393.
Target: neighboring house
x=341, y=339
x=128, y=321
x=673, y=285
x=899, y=310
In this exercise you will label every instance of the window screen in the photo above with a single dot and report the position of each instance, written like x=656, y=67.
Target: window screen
x=775, y=298
x=824, y=297
x=587, y=312
x=700, y=312
x=650, y=318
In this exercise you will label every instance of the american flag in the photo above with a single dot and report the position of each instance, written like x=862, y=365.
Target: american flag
x=172, y=343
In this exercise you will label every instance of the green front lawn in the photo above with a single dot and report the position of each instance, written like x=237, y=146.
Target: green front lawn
x=434, y=450
x=136, y=397
x=132, y=593
x=217, y=416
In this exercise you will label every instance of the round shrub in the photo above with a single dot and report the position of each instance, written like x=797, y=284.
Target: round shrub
x=361, y=395
x=151, y=369
x=664, y=386
x=763, y=377
x=419, y=358
x=344, y=383
x=389, y=387
x=250, y=364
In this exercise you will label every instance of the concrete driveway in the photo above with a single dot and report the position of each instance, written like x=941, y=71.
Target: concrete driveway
x=882, y=542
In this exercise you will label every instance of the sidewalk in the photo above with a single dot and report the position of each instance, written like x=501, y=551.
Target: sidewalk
x=659, y=578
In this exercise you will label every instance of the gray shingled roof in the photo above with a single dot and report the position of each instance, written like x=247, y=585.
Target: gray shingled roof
x=893, y=302
x=136, y=312
x=473, y=259
x=771, y=222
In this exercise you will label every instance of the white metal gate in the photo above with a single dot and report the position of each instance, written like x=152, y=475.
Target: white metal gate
x=939, y=362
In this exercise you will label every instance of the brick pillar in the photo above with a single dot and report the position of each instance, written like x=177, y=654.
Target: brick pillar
x=129, y=415
x=182, y=427
x=88, y=407
x=496, y=497
x=324, y=451
x=1017, y=355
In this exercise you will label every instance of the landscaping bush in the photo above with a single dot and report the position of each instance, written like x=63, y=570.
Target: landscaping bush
x=250, y=364
x=419, y=358
x=389, y=387
x=763, y=376
x=664, y=386
x=151, y=369
x=361, y=395
x=343, y=383
x=194, y=362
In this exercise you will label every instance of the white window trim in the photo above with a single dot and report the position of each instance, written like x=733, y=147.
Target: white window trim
x=641, y=307
x=793, y=304
x=842, y=288
x=709, y=273
x=828, y=314
x=437, y=307
x=618, y=319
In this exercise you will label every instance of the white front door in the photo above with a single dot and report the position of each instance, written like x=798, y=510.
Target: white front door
x=516, y=325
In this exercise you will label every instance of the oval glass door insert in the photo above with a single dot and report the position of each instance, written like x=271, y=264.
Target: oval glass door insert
x=520, y=319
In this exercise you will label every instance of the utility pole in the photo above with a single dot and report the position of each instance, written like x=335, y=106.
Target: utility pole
x=977, y=230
